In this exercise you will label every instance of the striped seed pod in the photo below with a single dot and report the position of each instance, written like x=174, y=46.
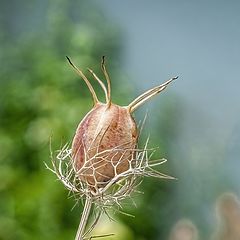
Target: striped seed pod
x=105, y=141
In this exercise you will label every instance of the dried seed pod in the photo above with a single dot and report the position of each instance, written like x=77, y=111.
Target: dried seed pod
x=105, y=141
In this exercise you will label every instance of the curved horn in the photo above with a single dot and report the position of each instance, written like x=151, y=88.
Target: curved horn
x=80, y=73
x=147, y=95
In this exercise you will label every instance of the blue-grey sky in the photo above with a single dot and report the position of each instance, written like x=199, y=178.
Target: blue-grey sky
x=197, y=40
x=200, y=42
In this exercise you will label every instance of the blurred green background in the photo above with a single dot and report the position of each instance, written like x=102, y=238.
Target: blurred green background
x=41, y=96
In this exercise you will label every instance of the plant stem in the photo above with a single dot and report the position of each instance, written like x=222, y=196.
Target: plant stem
x=84, y=219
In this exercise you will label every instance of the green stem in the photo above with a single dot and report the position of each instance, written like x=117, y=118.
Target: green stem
x=84, y=219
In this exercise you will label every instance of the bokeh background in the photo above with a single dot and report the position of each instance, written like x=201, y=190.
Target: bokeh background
x=195, y=123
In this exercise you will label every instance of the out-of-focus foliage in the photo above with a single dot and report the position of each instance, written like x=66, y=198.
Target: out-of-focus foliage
x=41, y=96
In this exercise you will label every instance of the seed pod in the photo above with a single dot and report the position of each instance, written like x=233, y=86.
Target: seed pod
x=105, y=141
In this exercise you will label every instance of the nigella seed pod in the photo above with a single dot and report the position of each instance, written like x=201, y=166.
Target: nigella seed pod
x=105, y=141
x=104, y=164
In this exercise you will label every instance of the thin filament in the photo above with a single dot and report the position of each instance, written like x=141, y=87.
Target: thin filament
x=101, y=84
x=108, y=80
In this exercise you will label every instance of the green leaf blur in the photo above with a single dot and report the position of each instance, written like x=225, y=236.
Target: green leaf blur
x=42, y=97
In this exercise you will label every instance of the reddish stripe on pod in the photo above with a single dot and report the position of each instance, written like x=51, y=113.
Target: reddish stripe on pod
x=104, y=128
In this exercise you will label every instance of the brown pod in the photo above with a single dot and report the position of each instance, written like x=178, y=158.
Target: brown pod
x=105, y=141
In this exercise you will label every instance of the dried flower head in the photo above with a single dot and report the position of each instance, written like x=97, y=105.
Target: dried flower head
x=104, y=162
